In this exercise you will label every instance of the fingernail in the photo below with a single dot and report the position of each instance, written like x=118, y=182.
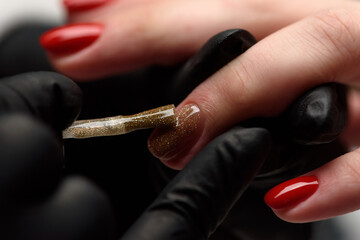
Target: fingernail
x=83, y=5
x=166, y=144
x=292, y=192
x=70, y=38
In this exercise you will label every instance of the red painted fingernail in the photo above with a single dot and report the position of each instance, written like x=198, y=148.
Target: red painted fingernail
x=292, y=192
x=70, y=38
x=83, y=5
x=167, y=144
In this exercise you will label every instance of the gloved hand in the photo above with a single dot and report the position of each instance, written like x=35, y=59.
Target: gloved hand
x=303, y=138
x=38, y=199
x=197, y=200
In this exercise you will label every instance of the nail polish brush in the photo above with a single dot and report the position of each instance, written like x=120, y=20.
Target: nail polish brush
x=161, y=117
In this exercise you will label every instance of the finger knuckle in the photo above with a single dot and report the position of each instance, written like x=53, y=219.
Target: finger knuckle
x=336, y=30
x=352, y=166
x=236, y=83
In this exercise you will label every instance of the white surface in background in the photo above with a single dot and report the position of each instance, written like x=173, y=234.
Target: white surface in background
x=14, y=11
x=350, y=225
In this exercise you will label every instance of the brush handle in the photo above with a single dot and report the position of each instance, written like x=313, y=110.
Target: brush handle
x=161, y=117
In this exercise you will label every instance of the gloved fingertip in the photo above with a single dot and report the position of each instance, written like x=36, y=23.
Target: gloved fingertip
x=318, y=116
x=197, y=200
x=216, y=53
x=68, y=98
x=49, y=96
x=31, y=159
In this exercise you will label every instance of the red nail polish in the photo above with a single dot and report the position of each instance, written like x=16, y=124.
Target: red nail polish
x=292, y=192
x=83, y=5
x=70, y=38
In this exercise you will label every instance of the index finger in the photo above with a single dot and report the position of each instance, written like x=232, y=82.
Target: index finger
x=268, y=77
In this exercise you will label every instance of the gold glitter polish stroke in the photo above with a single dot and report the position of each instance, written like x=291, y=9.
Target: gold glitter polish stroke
x=164, y=141
x=161, y=117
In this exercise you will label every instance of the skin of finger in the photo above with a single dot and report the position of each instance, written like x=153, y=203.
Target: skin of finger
x=351, y=135
x=338, y=192
x=151, y=33
x=270, y=75
x=275, y=7
x=110, y=8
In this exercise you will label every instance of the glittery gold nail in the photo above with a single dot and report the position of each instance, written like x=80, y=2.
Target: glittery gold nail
x=164, y=141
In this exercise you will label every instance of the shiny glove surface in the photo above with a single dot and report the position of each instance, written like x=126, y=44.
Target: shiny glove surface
x=197, y=200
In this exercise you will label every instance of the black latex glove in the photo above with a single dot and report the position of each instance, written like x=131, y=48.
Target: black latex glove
x=49, y=97
x=197, y=200
x=38, y=200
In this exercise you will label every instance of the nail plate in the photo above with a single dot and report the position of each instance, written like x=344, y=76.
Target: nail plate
x=165, y=144
x=292, y=192
x=70, y=38
x=83, y=5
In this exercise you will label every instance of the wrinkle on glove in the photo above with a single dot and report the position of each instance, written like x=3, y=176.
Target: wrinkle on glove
x=197, y=200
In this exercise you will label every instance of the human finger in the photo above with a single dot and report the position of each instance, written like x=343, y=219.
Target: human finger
x=350, y=136
x=331, y=190
x=216, y=53
x=153, y=35
x=265, y=79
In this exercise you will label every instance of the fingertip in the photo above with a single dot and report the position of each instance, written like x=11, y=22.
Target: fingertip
x=71, y=38
x=334, y=193
x=51, y=97
x=291, y=193
x=94, y=50
x=172, y=146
